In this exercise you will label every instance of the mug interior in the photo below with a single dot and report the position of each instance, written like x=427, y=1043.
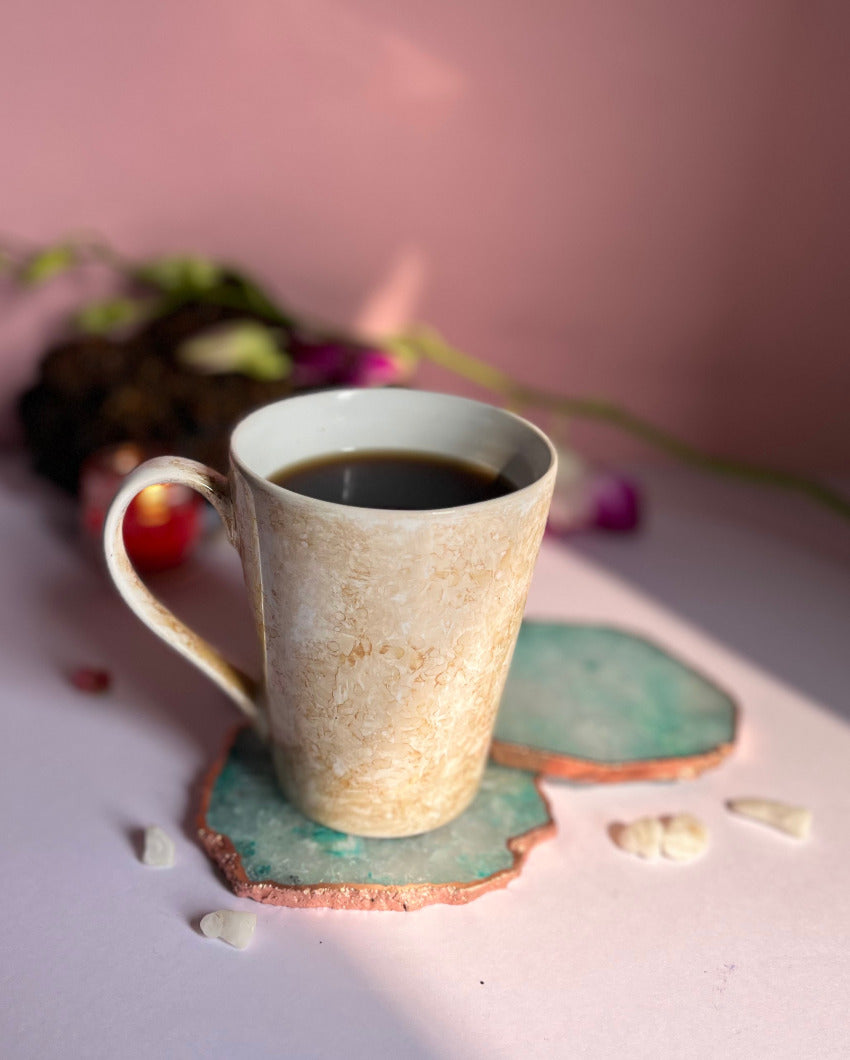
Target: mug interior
x=329, y=422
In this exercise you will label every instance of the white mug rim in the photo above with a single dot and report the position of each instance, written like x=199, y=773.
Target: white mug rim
x=358, y=394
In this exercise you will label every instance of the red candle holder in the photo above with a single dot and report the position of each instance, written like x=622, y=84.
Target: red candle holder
x=163, y=523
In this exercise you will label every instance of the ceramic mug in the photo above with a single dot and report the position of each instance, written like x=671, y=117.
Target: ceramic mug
x=386, y=635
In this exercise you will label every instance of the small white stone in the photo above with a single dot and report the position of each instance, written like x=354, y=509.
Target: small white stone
x=793, y=820
x=229, y=926
x=641, y=838
x=158, y=849
x=685, y=837
x=212, y=923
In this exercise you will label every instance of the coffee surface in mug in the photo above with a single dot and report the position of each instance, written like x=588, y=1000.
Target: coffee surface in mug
x=393, y=480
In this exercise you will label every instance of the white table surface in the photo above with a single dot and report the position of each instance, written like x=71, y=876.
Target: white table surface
x=589, y=953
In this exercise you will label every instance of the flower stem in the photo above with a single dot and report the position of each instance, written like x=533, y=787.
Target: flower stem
x=431, y=346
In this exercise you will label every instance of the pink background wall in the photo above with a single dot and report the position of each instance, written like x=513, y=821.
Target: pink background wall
x=642, y=200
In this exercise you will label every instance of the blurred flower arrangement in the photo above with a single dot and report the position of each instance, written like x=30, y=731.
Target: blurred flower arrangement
x=185, y=346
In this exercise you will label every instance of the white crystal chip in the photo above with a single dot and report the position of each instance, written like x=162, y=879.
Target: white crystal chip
x=158, y=850
x=685, y=837
x=229, y=926
x=793, y=820
x=679, y=838
x=641, y=838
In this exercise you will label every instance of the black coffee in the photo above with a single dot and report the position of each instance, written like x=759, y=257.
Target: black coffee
x=389, y=479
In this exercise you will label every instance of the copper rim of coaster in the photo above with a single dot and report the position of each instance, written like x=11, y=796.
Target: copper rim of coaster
x=401, y=897
x=585, y=770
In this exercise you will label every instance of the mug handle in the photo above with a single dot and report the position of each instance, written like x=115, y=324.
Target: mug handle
x=212, y=486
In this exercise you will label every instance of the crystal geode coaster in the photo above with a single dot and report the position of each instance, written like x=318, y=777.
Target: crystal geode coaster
x=269, y=851
x=593, y=703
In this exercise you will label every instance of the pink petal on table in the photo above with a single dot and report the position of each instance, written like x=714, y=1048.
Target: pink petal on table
x=90, y=679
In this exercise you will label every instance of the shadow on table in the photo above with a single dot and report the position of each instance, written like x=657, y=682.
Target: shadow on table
x=342, y=1009
x=99, y=630
x=207, y=594
x=766, y=574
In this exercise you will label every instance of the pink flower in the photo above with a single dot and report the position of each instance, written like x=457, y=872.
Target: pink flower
x=319, y=364
x=343, y=364
x=375, y=368
x=616, y=503
x=585, y=499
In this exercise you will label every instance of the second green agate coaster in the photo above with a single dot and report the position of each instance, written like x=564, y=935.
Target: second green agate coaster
x=269, y=851
x=594, y=703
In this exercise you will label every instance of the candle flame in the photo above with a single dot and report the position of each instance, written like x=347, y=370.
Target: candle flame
x=152, y=506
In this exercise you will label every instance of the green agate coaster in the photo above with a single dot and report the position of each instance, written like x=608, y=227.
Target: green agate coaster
x=598, y=704
x=269, y=851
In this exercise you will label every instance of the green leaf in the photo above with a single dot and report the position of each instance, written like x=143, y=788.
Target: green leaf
x=255, y=298
x=48, y=263
x=242, y=346
x=112, y=314
x=185, y=275
x=193, y=279
x=405, y=352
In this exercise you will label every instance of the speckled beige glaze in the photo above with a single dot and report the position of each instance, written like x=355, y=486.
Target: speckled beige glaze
x=387, y=644
x=386, y=635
